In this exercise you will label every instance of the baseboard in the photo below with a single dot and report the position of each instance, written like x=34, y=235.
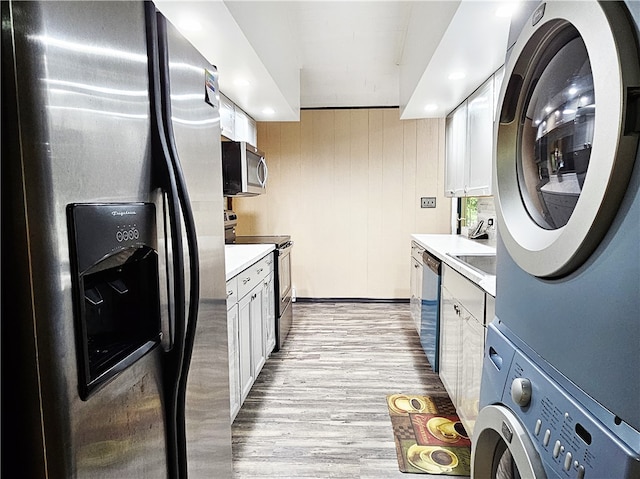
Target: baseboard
x=352, y=300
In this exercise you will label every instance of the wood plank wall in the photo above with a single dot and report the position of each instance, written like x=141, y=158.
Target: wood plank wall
x=346, y=185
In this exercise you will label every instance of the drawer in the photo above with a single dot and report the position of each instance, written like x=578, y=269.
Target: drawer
x=246, y=281
x=252, y=276
x=416, y=251
x=263, y=267
x=269, y=262
x=232, y=292
x=464, y=291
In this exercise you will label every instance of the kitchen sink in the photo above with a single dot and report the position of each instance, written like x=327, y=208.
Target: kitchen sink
x=485, y=263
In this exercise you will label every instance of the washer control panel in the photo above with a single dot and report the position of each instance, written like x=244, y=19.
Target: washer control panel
x=571, y=442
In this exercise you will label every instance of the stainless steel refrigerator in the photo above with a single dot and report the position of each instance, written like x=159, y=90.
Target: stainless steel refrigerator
x=114, y=352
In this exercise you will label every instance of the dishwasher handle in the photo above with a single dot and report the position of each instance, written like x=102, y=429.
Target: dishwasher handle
x=431, y=262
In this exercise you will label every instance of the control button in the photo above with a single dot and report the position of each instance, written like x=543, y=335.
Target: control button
x=567, y=461
x=556, y=449
x=119, y=236
x=538, y=427
x=580, y=472
x=521, y=391
x=547, y=437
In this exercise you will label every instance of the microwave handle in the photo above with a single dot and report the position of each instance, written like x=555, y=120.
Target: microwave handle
x=263, y=163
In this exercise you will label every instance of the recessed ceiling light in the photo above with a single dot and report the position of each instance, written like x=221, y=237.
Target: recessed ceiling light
x=457, y=76
x=431, y=107
x=268, y=111
x=190, y=24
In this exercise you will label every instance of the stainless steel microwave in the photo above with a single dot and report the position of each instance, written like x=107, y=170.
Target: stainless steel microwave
x=244, y=169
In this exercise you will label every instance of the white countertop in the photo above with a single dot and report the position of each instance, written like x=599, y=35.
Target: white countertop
x=441, y=246
x=239, y=257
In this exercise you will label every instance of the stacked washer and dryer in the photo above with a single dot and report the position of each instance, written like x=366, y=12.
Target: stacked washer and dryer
x=560, y=394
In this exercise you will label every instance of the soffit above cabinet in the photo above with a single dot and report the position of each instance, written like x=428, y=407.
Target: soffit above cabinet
x=275, y=57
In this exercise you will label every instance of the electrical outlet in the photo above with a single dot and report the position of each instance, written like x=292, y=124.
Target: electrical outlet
x=428, y=202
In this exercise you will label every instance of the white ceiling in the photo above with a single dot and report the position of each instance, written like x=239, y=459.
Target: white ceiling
x=275, y=57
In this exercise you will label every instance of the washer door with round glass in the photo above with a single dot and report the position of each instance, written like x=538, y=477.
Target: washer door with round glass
x=502, y=448
x=566, y=139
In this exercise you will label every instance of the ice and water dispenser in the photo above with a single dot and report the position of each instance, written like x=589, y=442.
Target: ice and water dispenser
x=114, y=267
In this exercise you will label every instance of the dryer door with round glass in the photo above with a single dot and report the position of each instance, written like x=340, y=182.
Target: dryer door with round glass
x=565, y=145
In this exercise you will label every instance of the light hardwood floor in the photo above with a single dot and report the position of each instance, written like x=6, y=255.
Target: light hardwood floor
x=318, y=408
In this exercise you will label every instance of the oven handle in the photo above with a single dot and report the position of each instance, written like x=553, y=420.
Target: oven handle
x=286, y=245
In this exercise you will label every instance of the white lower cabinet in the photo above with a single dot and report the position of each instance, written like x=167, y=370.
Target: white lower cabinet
x=269, y=313
x=245, y=346
x=235, y=390
x=449, y=342
x=415, y=282
x=462, y=334
x=258, y=346
x=250, y=318
x=470, y=371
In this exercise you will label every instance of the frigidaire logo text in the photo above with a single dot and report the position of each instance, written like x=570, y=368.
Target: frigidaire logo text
x=123, y=213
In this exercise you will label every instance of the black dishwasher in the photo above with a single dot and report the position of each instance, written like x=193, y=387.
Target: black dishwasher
x=430, y=312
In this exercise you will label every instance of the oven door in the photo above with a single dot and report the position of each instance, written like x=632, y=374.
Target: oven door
x=284, y=276
x=284, y=318
x=502, y=448
x=566, y=136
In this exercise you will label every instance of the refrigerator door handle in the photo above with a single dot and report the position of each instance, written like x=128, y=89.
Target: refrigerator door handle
x=174, y=358
x=192, y=246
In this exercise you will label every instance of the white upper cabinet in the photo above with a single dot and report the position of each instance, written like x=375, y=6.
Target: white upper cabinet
x=246, y=129
x=227, y=117
x=469, y=142
x=480, y=141
x=235, y=124
x=456, y=151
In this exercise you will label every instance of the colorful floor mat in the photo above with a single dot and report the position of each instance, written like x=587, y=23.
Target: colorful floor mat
x=429, y=436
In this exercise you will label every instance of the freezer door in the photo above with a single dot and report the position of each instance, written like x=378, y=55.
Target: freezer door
x=76, y=126
x=196, y=132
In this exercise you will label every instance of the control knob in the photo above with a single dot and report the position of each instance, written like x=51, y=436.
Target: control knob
x=521, y=391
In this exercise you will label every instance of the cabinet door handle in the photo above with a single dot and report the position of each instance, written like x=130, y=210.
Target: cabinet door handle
x=456, y=309
x=229, y=293
x=259, y=270
x=246, y=280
